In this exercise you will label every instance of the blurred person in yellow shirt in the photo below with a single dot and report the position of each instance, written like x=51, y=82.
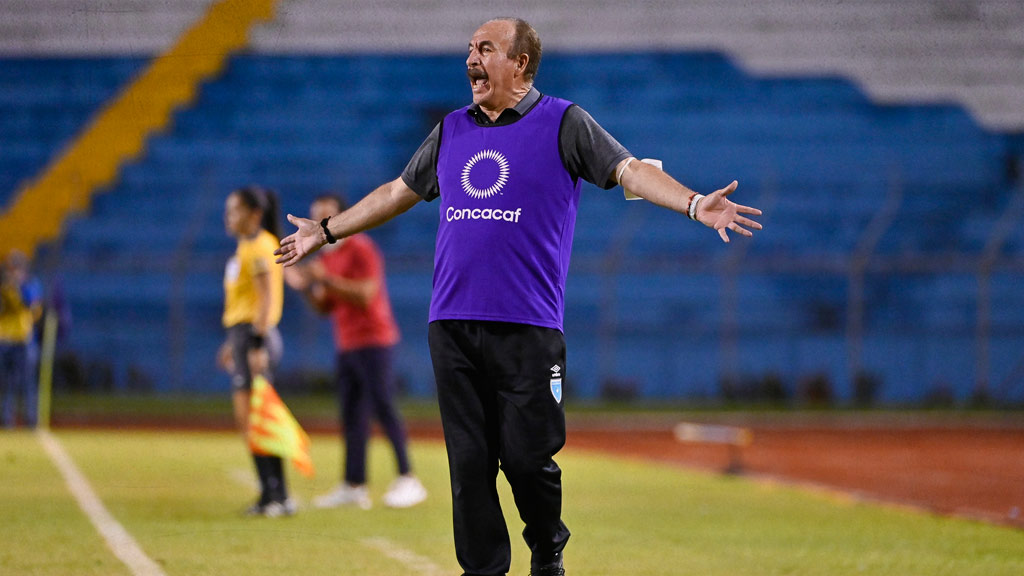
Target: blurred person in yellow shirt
x=253, y=300
x=21, y=298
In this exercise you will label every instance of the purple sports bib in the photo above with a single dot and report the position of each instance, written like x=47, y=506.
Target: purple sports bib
x=508, y=211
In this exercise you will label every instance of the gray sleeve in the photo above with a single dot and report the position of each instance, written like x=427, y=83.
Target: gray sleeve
x=588, y=150
x=420, y=173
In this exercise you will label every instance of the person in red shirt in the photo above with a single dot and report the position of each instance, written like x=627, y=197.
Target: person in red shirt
x=347, y=281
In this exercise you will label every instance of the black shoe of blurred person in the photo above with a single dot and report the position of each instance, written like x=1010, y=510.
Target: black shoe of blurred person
x=273, y=509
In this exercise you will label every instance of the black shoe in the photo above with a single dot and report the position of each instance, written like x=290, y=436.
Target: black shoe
x=553, y=569
x=272, y=509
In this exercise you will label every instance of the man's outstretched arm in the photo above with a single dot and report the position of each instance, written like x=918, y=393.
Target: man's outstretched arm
x=714, y=210
x=379, y=206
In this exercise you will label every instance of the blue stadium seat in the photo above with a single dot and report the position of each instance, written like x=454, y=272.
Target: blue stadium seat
x=815, y=152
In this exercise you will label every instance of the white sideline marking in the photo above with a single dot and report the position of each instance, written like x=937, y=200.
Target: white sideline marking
x=118, y=539
x=408, y=558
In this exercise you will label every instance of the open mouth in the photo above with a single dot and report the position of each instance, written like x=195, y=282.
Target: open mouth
x=477, y=78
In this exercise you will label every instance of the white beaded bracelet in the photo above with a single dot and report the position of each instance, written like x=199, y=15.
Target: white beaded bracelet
x=693, y=206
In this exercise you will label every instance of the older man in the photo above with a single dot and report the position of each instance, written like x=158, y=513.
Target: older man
x=507, y=170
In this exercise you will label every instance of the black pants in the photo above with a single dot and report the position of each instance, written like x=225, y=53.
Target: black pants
x=269, y=469
x=365, y=390
x=499, y=391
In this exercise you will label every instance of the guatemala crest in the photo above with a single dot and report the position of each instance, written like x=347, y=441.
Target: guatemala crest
x=556, y=382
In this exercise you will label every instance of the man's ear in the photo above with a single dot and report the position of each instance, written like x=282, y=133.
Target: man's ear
x=521, y=63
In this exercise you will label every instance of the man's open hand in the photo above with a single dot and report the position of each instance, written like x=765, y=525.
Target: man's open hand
x=303, y=242
x=716, y=211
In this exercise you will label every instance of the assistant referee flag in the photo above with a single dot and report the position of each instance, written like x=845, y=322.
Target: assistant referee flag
x=273, y=430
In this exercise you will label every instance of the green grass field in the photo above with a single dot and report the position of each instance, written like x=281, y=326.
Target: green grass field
x=180, y=494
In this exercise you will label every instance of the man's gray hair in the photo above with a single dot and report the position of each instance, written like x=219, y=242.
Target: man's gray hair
x=526, y=41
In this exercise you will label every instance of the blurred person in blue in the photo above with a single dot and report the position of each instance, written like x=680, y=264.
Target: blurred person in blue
x=347, y=281
x=21, y=306
x=253, y=302
x=508, y=170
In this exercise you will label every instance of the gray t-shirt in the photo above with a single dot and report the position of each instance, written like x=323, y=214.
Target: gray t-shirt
x=588, y=151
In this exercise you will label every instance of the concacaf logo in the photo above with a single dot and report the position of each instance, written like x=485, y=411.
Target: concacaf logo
x=499, y=182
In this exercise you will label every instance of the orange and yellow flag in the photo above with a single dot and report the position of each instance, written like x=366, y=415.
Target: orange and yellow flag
x=273, y=429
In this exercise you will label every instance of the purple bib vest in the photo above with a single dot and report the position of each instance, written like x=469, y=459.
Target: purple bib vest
x=508, y=212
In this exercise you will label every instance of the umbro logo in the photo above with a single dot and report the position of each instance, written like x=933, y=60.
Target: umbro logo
x=556, y=382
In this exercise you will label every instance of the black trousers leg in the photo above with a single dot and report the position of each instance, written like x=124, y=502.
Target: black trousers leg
x=468, y=416
x=355, y=417
x=378, y=374
x=270, y=470
x=532, y=430
x=495, y=393
x=263, y=472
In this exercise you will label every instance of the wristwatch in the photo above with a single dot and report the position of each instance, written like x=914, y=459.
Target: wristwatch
x=327, y=231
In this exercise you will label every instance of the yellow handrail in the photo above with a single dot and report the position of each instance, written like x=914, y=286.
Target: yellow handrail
x=118, y=133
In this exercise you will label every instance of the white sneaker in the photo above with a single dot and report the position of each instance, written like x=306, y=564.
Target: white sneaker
x=405, y=491
x=280, y=509
x=345, y=495
x=274, y=509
